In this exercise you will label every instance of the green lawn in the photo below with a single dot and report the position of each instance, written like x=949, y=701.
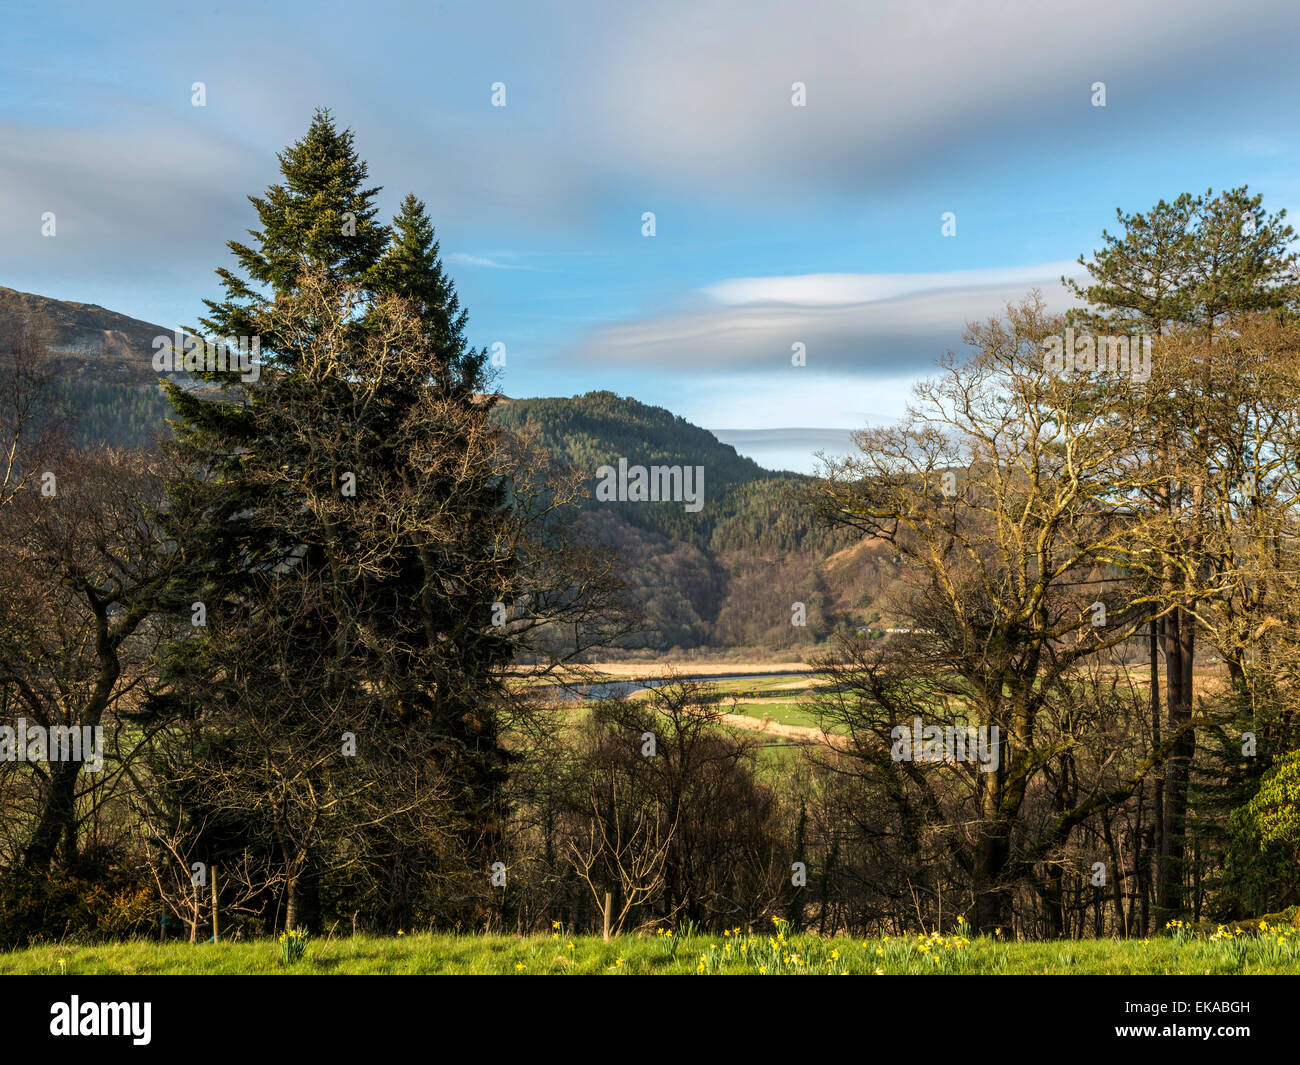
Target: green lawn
x=781, y=711
x=760, y=953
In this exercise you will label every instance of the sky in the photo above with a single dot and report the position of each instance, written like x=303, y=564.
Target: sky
x=775, y=225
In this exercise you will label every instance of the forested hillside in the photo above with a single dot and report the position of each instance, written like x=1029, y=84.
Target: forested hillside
x=105, y=373
x=726, y=576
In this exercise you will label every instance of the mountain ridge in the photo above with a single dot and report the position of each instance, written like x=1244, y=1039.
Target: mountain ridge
x=118, y=346
x=726, y=576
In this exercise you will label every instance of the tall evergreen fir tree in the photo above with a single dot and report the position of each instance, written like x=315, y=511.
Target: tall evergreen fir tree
x=411, y=268
x=354, y=531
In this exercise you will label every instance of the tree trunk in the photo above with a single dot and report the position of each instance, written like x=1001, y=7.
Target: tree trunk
x=57, y=819
x=1180, y=649
x=992, y=849
x=1053, y=895
x=1158, y=781
x=303, y=896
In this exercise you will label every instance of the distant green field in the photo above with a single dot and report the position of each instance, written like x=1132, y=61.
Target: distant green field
x=765, y=684
x=784, y=711
x=781, y=711
x=757, y=953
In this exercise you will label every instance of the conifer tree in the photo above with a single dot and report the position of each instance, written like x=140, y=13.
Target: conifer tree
x=411, y=268
x=361, y=524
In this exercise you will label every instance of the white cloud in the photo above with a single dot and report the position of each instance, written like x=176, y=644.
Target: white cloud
x=702, y=95
x=826, y=290
x=882, y=323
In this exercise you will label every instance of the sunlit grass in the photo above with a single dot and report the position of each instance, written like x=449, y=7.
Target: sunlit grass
x=770, y=951
x=780, y=711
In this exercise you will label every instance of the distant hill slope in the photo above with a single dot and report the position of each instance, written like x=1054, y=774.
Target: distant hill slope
x=599, y=427
x=116, y=347
x=731, y=574
x=106, y=363
x=726, y=576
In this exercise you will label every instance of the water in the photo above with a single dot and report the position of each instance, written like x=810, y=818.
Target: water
x=610, y=689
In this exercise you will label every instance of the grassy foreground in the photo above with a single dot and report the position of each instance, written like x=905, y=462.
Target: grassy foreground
x=1268, y=950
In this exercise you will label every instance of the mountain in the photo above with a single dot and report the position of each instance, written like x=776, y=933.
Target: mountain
x=111, y=346
x=105, y=361
x=725, y=574
x=729, y=574
x=599, y=428
x=745, y=506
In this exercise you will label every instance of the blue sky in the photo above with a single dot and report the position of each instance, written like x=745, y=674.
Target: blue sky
x=775, y=224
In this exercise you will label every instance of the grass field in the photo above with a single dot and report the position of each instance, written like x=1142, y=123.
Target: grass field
x=758, y=953
x=779, y=710
x=781, y=682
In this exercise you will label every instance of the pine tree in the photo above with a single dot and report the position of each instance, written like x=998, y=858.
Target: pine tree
x=1193, y=263
x=411, y=268
x=322, y=215
x=343, y=517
